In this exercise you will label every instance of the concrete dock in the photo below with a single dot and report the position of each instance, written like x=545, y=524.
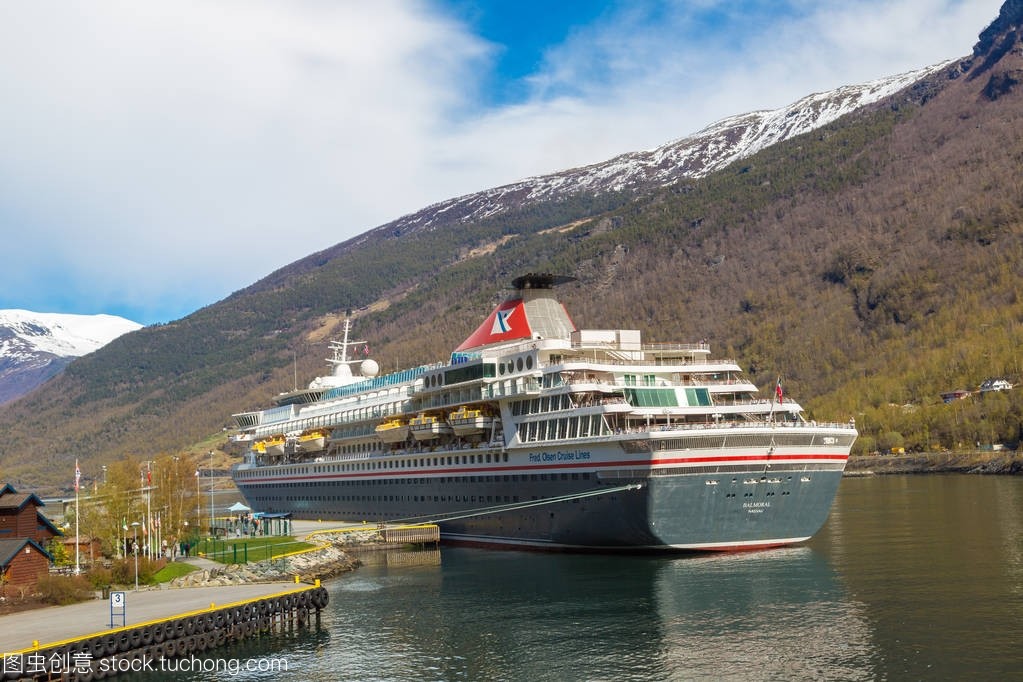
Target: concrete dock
x=59, y=623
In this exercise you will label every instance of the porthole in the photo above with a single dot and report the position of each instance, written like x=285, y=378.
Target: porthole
x=518, y=364
x=529, y=362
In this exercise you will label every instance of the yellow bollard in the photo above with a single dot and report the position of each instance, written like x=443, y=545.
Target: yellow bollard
x=296, y=580
x=317, y=583
x=212, y=606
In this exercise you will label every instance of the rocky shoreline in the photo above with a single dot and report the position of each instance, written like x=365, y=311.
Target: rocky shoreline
x=1005, y=462
x=334, y=558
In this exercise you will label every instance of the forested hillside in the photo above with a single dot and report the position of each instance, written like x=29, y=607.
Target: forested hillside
x=873, y=265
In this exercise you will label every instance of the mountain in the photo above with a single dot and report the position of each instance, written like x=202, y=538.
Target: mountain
x=711, y=149
x=873, y=261
x=36, y=346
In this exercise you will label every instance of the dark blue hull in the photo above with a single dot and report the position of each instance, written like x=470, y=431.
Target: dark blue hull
x=699, y=511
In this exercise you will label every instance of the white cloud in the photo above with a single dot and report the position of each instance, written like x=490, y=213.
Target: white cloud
x=157, y=156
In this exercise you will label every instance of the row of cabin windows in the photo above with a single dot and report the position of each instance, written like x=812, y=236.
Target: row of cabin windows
x=551, y=403
x=335, y=418
x=575, y=476
x=433, y=482
x=413, y=463
x=645, y=380
x=562, y=429
x=516, y=365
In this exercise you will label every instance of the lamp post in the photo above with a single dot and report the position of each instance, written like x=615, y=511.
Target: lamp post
x=149, y=514
x=198, y=502
x=211, y=493
x=135, y=551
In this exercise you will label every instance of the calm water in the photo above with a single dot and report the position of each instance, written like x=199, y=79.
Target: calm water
x=912, y=578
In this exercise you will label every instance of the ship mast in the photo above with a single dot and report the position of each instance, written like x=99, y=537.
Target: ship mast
x=339, y=355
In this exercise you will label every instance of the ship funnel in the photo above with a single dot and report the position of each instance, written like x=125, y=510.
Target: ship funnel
x=532, y=312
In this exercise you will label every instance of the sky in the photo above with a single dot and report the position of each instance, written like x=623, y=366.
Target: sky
x=157, y=156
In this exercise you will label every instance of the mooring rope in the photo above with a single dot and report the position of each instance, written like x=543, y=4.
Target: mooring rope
x=496, y=509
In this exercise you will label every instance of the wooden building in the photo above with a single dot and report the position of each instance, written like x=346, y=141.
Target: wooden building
x=21, y=517
x=22, y=561
x=89, y=549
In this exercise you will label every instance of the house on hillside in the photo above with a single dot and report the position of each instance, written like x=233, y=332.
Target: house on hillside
x=952, y=396
x=21, y=517
x=22, y=561
x=995, y=385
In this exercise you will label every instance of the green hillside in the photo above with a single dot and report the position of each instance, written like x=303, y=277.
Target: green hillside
x=873, y=265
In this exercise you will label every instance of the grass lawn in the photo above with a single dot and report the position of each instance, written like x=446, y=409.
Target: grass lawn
x=174, y=569
x=240, y=550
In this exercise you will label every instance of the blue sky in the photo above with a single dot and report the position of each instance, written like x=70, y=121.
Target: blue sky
x=156, y=156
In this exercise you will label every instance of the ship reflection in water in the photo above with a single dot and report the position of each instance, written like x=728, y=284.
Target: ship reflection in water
x=521, y=616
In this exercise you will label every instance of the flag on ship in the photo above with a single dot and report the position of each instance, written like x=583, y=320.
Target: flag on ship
x=78, y=475
x=778, y=391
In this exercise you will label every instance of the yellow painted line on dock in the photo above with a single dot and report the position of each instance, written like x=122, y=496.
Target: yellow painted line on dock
x=188, y=614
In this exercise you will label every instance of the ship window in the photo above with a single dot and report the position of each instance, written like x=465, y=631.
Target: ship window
x=518, y=364
x=529, y=362
x=656, y=397
x=698, y=396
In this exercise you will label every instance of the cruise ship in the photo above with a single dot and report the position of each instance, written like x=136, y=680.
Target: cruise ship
x=536, y=434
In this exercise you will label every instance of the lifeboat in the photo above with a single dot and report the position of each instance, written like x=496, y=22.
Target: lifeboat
x=313, y=440
x=392, y=430
x=274, y=446
x=428, y=427
x=467, y=421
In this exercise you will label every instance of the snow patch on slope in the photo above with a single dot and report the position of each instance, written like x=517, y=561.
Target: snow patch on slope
x=59, y=334
x=711, y=149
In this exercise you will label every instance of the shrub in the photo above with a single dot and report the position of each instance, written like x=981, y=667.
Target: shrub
x=63, y=589
x=100, y=577
x=123, y=570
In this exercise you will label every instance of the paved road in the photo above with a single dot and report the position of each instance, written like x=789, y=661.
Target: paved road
x=56, y=623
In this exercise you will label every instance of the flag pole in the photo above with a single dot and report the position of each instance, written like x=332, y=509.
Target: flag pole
x=775, y=399
x=78, y=538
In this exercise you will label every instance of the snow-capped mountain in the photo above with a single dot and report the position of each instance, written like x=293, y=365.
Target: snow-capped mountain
x=711, y=149
x=35, y=346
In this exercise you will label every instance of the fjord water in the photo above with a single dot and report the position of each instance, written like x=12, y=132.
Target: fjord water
x=913, y=577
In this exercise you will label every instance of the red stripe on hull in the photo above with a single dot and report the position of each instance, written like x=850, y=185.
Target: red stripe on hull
x=532, y=468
